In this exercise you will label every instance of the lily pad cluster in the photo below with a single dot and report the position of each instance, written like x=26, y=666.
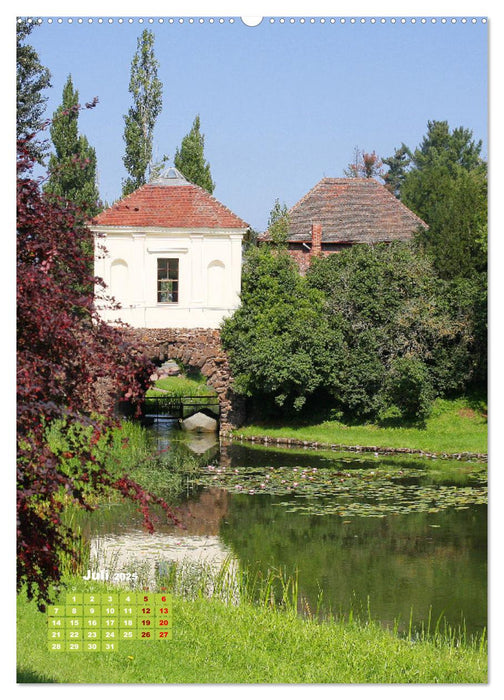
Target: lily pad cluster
x=356, y=492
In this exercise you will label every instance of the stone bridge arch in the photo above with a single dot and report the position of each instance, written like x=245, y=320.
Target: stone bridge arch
x=197, y=348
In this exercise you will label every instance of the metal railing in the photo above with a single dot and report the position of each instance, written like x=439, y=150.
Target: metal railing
x=179, y=406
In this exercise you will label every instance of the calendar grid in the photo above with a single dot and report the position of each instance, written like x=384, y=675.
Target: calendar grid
x=98, y=622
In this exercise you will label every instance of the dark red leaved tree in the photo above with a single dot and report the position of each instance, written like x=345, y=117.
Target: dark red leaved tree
x=365, y=165
x=65, y=352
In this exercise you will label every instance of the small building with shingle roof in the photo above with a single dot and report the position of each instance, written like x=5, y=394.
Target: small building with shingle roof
x=340, y=212
x=172, y=256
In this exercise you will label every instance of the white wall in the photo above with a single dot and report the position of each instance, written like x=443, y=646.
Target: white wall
x=209, y=275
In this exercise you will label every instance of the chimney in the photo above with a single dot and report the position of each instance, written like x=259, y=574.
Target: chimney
x=316, y=237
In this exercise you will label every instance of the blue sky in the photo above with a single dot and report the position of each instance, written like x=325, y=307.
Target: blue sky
x=281, y=104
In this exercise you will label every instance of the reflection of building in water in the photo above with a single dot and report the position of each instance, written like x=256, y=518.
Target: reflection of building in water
x=140, y=552
x=225, y=454
x=203, y=516
x=166, y=435
x=143, y=554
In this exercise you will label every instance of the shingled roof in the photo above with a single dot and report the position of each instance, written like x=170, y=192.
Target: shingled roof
x=171, y=201
x=351, y=210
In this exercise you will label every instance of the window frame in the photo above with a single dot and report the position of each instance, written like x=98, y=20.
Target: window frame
x=167, y=279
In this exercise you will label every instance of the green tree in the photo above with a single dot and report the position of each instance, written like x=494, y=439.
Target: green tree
x=279, y=342
x=454, y=148
x=447, y=187
x=397, y=168
x=278, y=223
x=445, y=183
x=72, y=166
x=190, y=158
x=146, y=89
x=32, y=78
x=402, y=333
x=371, y=332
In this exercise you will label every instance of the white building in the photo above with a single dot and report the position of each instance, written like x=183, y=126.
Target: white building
x=173, y=256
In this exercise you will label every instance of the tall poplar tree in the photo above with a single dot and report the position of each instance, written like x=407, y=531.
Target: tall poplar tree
x=190, y=158
x=72, y=166
x=146, y=89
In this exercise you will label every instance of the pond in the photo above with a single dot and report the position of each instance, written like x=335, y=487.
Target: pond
x=397, y=539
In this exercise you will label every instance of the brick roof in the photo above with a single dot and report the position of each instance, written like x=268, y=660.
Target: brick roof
x=180, y=206
x=351, y=210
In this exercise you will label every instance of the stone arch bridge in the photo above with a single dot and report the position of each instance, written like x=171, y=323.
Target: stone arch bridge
x=198, y=348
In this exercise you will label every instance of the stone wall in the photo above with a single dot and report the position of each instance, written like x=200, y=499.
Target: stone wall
x=196, y=348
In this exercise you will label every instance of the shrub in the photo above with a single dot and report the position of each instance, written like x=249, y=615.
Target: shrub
x=279, y=342
x=408, y=388
x=389, y=304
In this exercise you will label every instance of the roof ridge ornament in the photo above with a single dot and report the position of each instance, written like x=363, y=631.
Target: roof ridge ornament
x=170, y=177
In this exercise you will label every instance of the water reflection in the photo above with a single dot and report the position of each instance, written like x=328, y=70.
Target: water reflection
x=400, y=563
x=145, y=555
x=164, y=432
x=423, y=564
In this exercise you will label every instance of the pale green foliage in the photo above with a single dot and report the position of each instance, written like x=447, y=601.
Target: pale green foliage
x=146, y=89
x=278, y=223
x=190, y=158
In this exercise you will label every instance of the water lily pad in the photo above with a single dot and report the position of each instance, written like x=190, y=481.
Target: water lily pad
x=360, y=492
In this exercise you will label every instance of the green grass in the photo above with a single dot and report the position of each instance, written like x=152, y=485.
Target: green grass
x=165, y=473
x=129, y=451
x=214, y=642
x=186, y=386
x=181, y=386
x=454, y=426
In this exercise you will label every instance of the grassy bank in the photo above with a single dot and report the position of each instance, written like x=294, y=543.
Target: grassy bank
x=164, y=471
x=181, y=385
x=454, y=426
x=218, y=643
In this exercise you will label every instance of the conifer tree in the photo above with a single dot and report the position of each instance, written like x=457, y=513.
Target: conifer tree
x=72, y=166
x=31, y=79
x=190, y=158
x=447, y=187
x=147, y=90
x=397, y=169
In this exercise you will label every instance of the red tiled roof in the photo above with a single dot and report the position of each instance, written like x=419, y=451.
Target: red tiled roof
x=186, y=206
x=351, y=210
